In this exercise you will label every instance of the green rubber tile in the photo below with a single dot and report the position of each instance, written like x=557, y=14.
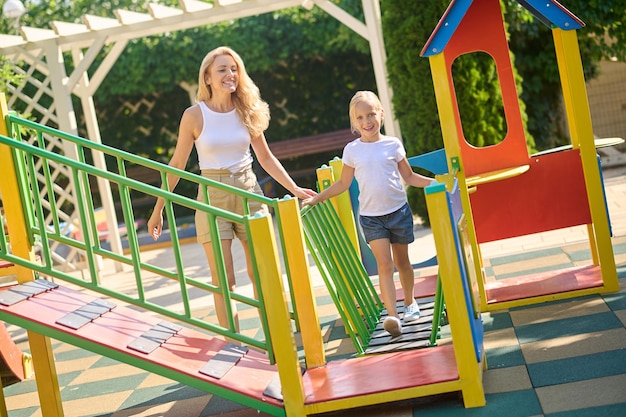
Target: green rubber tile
x=579, y=368
x=248, y=324
x=338, y=332
x=580, y=255
x=23, y=387
x=220, y=406
x=616, y=301
x=522, y=403
x=488, y=270
x=496, y=321
x=504, y=357
x=71, y=354
x=107, y=386
x=619, y=247
x=567, y=327
x=104, y=361
x=66, y=378
x=322, y=300
x=25, y=412
x=613, y=410
x=160, y=395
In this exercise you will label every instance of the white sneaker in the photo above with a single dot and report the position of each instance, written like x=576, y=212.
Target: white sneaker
x=411, y=312
x=393, y=325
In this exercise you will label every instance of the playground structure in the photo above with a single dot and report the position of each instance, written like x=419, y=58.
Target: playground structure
x=280, y=388
x=184, y=347
x=505, y=191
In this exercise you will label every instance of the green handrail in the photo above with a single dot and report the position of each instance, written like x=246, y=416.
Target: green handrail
x=39, y=184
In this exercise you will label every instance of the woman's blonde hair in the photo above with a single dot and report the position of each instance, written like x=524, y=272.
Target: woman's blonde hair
x=359, y=97
x=253, y=111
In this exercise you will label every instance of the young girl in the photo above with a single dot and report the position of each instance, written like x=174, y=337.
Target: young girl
x=379, y=163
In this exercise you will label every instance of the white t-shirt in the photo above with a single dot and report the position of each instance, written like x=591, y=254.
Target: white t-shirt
x=224, y=142
x=376, y=170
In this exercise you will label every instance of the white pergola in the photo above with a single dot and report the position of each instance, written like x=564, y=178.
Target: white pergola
x=43, y=51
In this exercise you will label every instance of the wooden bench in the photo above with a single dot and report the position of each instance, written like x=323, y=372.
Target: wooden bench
x=307, y=145
x=311, y=145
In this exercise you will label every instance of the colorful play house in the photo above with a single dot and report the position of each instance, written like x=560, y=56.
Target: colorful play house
x=507, y=192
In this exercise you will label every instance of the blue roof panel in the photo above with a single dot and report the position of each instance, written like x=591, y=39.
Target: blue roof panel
x=446, y=27
x=549, y=12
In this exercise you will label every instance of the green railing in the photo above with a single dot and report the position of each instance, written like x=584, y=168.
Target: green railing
x=343, y=272
x=39, y=181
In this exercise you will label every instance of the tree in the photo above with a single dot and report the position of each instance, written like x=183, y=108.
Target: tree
x=603, y=37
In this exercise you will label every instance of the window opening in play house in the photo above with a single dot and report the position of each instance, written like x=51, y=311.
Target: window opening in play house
x=479, y=99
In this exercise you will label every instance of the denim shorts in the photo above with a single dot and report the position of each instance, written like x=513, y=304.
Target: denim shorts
x=246, y=180
x=396, y=226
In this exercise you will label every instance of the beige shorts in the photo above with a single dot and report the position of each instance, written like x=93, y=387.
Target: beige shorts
x=246, y=180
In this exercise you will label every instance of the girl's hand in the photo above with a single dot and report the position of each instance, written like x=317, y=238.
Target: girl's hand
x=311, y=201
x=155, y=224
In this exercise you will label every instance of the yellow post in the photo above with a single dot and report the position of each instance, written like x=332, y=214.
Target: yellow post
x=325, y=179
x=297, y=263
x=469, y=367
x=451, y=140
x=581, y=132
x=344, y=205
x=278, y=317
x=40, y=346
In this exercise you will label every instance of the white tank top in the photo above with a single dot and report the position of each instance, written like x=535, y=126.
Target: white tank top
x=224, y=142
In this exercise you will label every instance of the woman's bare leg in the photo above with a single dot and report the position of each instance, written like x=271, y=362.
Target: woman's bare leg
x=220, y=306
x=249, y=267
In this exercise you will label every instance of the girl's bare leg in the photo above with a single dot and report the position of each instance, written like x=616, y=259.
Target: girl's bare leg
x=384, y=261
x=405, y=270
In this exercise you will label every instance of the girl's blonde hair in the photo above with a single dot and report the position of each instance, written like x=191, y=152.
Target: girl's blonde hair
x=359, y=97
x=252, y=110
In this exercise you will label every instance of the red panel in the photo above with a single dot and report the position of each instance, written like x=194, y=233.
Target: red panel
x=424, y=287
x=482, y=29
x=12, y=366
x=5, y=264
x=553, y=282
x=394, y=371
x=185, y=353
x=550, y=195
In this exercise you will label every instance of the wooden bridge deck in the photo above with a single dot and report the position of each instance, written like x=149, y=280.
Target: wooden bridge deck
x=191, y=357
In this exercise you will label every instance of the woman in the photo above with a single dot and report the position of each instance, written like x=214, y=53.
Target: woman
x=228, y=119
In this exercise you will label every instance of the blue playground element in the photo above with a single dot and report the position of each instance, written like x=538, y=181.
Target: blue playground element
x=455, y=210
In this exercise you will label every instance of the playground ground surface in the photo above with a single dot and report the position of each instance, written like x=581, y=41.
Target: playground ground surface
x=558, y=359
